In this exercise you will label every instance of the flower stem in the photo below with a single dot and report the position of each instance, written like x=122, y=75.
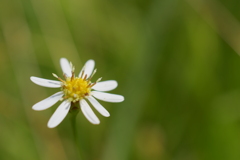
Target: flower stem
x=73, y=114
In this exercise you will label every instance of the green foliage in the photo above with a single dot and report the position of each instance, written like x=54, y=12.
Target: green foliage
x=176, y=63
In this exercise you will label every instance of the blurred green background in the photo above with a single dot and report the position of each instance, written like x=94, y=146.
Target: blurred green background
x=176, y=62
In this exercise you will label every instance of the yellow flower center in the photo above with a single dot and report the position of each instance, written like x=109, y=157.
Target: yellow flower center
x=76, y=89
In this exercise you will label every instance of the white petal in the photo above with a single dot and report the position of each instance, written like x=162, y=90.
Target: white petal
x=98, y=106
x=88, y=68
x=88, y=112
x=105, y=85
x=48, y=102
x=66, y=68
x=108, y=97
x=46, y=82
x=59, y=114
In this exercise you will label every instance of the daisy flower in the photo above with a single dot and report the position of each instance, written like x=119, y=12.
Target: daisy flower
x=76, y=90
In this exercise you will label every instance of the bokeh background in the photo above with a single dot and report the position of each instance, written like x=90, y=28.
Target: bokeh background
x=177, y=63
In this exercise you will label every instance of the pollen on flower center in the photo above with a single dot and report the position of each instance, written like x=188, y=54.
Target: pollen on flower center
x=76, y=89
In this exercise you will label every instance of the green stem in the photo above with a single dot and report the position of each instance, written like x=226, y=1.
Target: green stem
x=73, y=114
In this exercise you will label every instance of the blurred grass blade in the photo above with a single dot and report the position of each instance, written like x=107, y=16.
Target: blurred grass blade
x=127, y=113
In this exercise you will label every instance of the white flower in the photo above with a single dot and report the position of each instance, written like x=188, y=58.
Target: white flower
x=77, y=90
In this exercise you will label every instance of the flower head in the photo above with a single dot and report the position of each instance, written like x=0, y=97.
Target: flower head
x=76, y=90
